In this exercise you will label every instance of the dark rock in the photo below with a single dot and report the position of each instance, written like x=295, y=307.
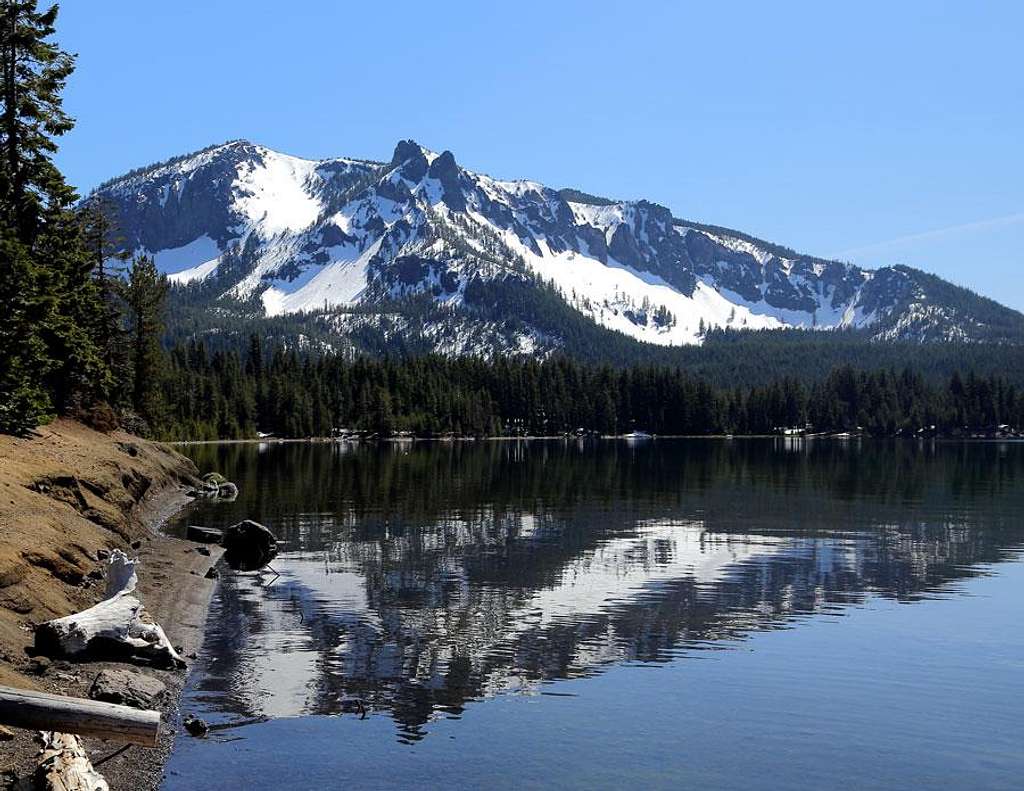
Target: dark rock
x=204, y=551
x=102, y=554
x=249, y=546
x=227, y=491
x=446, y=171
x=212, y=573
x=204, y=535
x=410, y=160
x=353, y=706
x=40, y=665
x=6, y=735
x=196, y=726
x=127, y=688
x=136, y=544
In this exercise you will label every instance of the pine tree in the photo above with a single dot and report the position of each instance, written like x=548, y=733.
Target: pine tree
x=49, y=359
x=145, y=295
x=24, y=402
x=35, y=71
x=104, y=248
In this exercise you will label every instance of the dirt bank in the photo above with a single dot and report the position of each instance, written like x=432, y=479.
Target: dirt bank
x=66, y=494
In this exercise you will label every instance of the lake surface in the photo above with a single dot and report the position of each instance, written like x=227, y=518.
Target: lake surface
x=771, y=614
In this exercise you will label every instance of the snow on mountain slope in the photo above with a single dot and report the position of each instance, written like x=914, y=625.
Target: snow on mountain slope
x=193, y=261
x=338, y=283
x=290, y=235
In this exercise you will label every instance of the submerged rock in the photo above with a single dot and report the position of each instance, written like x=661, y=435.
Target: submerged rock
x=249, y=546
x=196, y=726
x=214, y=479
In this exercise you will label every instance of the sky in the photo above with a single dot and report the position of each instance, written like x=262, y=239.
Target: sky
x=872, y=132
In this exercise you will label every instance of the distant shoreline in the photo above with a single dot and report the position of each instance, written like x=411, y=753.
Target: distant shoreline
x=570, y=438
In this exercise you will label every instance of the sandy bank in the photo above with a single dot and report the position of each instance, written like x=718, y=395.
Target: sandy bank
x=66, y=494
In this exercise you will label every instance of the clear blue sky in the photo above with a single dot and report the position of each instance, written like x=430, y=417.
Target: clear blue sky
x=877, y=132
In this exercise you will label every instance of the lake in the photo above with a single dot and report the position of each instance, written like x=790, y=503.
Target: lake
x=771, y=614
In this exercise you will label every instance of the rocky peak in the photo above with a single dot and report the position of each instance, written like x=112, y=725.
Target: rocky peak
x=410, y=160
x=444, y=169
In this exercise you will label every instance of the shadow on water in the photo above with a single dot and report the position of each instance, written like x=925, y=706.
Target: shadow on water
x=418, y=578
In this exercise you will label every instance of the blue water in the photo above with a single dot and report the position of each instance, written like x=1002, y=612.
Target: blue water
x=671, y=615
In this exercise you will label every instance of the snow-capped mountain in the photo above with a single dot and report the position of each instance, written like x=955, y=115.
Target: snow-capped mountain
x=485, y=264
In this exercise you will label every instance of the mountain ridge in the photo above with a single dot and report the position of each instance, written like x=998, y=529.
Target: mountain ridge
x=253, y=230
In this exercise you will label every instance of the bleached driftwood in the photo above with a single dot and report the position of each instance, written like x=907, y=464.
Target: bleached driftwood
x=64, y=765
x=31, y=710
x=118, y=624
x=121, y=574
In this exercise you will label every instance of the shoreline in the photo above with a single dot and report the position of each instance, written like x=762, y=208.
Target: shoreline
x=126, y=490
x=175, y=591
x=573, y=438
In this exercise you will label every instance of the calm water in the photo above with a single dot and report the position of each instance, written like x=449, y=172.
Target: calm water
x=673, y=614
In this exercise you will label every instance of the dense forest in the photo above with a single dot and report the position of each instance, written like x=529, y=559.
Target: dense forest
x=83, y=332
x=282, y=392
x=726, y=358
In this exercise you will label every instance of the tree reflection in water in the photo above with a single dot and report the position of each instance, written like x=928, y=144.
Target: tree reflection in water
x=420, y=577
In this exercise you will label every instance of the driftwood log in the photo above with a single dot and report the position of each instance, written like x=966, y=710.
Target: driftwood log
x=118, y=625
x=204, y=535
x=26, y=708
x=64, y=765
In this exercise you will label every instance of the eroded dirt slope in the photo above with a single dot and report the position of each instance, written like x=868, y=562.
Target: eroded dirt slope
x=65, y=494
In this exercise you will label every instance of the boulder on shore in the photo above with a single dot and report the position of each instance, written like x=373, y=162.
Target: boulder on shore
x=127, y=689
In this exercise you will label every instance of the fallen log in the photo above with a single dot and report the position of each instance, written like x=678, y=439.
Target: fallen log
x=118, y=626
x=204, y=535
x=25, y=708
x=64, y=765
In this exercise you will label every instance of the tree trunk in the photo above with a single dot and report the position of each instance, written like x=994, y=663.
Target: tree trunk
x=31, y=710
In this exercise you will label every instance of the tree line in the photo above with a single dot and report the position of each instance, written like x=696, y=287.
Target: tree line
x=225, y=394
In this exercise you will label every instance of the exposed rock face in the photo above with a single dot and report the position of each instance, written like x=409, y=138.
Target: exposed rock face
x=249, y=227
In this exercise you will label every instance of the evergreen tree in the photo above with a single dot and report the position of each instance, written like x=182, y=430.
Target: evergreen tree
x=24, y=402
x=49, y=358
x=145, y=295
x=35, y=71
x=104, y=249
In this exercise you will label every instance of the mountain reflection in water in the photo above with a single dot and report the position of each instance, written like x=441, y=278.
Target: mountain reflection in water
x=421, y=577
